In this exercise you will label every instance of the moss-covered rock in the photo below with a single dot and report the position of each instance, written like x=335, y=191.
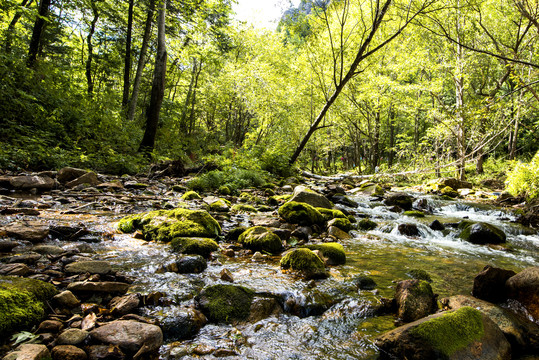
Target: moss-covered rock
x=220, y=205
x=366, y=225
x=165, y=225
x=300, y=213
x=224, y=190
x=449, y=191
x=22, y=302
x=278, y=199
x=330, y=214
x=482, y=233
x=194, y=246
x=342, y=223
x=234, y=234
x=415, y=299
x=259, y=238
x=243, y=208
x=191, y=195
x=305, y=261
x=334, y=252
x=419, y=274
x=403, y=201
x=225, y=303
x=372, y=189
x=304, y=195
x=414, y=213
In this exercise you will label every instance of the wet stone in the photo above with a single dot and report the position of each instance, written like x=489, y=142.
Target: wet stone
x=31, y=231
x=68, y=352
x=409, y=229
x=99, y=287
x=129, y=335
x=72, y=337
x=7, y=245
x=15, y=269
x=226, y=275
x=105, y=352
x=124, y=305
x=48, y=249
x=29, y=352
x=28, y=258
x=489, y=284
x=92, y=267
x=50, y=326
x=67, y=299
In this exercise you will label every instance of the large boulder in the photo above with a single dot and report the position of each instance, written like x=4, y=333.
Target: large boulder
x=102, y=287
x=304, y=195
x=165, y=225
x=130, y=336
x=29, y=230
x=300, y=213
x=69, y=173
x=22, y=302
x=225, y=303
x=333, y=252
x=401, y=200
x=194, y=246
x=29, y=352
x=415, y=299
x=306, y=262
x=465, y=333
x=182, y=324
x=489, y=284
x=91, y=266
x=524, y=287
x=32, y=182
x=482, y=233
x=519, y=331
x=259, y=238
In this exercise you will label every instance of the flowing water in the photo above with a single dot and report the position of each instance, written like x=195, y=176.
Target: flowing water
x=348, y=326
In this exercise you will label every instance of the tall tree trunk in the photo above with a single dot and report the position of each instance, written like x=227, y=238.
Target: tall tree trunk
x=514, y=137
x=188, y=96
x=194, y=100
x=91, y=31
x=459, y=96
x=127, y=59
x=10, y=31
x=158, y=85
x=141, y=62
x=391, y=125
x=37, y=32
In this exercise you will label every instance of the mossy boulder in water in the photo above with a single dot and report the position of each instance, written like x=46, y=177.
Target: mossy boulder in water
x=414, y=213
x=300, y=213
x=449, y=191
x=22, y=302
x=259, y=238
x=191, y=195
x=401, y=200
x=334, y=252
x=366, y=225
x=194, y=246
x=219, y=205
x=415, y=299
x=306, y=262
x=482, y=233
x=165, y=225
x=342, y=223
x=462, y=334
x=308, y=196
x=225, y=303
x=330, y=214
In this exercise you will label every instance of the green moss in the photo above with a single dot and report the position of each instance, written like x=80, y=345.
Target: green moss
x=165, y=225
x=463, y=224
x=226, y=303
x=278, y=199
x=269, y=192
x=302, y=260
x=22, y=302
x=342, y=223
x=258, y=238
x=366, y=225
x=329, y=214
x=194, y=246
x=220, y=205
x=264, y=208
x=449, y=191
x=300, y=213
x=483, y=233
x=333, y=251
x=225, y=190
x=452, y=331
x=243, y=208
x=419, y=275
x=414, y=213
x=191, y=195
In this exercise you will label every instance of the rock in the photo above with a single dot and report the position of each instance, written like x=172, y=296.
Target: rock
x=68, y=352
x=193, y=264
x=108, y=287
x=105, y=352
x=300, y=213
x=334, y=252
x=482, y=233
x=7, y=245
x=235, y=233
x=25, y=258
x=135, y=185
x=460, y=334
x=131, y=336
x=264, y=307
x=195, y=246
x=258, y=238
x=437, y=226
x=489, y=284
x=69, y=173
x=304, y=195
x=48, y=249
x=72, y=337
x=120, y=306
x=89, y=178
x=519, y=331
x=414, y=213
x=67, y=232
x=31, y=231
x=191, y=195
x=15, y=269
x=449, y=191
x=182, y=324
x=401, y=200
x=304, y=261
x=524, y=287
x=66, y=299
x=50, y=326
x=344, y=200
x=364, y=282
x=226, y=275
x=419, y=274
x=218, y=353
x=225, y=303
x=217, y=204
x=372, y=189
x=44, y=183
x=414, y=299
x=166, y=225
x=111, y=185
x=342, y=223
x=29, y=352
x=408, y=229
x=338, y=233
x=455, y=183
x=366, y=225
x=92, y=267
x=302, y=233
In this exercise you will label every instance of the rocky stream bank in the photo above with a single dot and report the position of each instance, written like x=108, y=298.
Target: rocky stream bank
x=100, y=267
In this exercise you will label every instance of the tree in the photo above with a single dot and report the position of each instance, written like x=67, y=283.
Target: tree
x=37, y=32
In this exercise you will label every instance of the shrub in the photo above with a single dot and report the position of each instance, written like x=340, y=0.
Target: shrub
x=524, y=179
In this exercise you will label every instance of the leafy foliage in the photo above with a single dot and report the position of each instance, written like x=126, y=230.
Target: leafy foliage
x=524, y=179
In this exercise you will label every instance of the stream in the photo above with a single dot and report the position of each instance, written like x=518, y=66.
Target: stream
x=337, y=319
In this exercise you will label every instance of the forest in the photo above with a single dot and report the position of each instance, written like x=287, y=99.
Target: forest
x=434, y=87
